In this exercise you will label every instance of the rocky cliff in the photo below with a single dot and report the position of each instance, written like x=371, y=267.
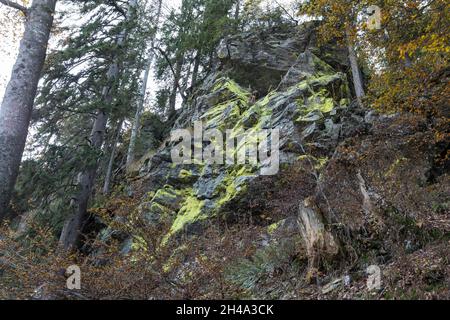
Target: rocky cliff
x=354, y=188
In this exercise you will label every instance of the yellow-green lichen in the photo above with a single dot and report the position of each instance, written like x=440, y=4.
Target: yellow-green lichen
x=231, y=187
x=225, y=114
x=318, y=163
x=344, y=102
x=184, y=174
x=320, y=81
x=174, y=258
x=316, y=106
x=231, y=192
x=233, y=87
x=325, y=67
x=190, y=212
x=263, y=116
x=161, y=210
x=322, y=162
x=139, y=243
x=150, y=194
x=273, y=227
x=394, y=166
x=167, y=193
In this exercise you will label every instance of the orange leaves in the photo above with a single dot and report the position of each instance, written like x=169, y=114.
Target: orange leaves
x=336, y=16
x=427, y=43
x=415, y=49
x=415, y=89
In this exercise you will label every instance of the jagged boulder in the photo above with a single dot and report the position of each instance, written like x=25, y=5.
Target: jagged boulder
x=308, y=102
x=355, y=188
x=262, y=61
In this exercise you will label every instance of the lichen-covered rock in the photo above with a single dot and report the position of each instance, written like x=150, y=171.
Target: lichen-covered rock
x=354, y=187
x=303, y=96
x=268, y=59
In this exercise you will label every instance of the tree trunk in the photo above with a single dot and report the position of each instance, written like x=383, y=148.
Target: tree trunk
x=137, y=117
x=73, y=226
x=356, y=72
x=140, y=107
x=109, y=169
x=319, y=242
x=237, y=13
x=72, y=229
x=176, y=80
x=17, y=105
x=195, y=71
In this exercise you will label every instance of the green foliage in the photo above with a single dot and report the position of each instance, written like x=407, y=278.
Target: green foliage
x=248, y=273
x=190, y=36
x=74, y=78
x=256, y=16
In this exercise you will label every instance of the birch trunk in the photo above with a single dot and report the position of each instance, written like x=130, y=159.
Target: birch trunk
x=356, y=72
x=140, y=107
x=137, y=119
x=17, y=105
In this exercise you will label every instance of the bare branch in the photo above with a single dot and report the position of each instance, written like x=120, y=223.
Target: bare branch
x=117, y=7
x=15, y=5
x=164, y=54
x=287, y=12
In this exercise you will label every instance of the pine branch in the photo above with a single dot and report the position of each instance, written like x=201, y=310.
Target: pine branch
x=15, y=5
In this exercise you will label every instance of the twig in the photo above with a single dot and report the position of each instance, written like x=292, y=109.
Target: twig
x=15, y=5
x=287, y=12
x=117, y=7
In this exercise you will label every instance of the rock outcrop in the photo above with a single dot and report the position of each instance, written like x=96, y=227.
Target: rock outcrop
x=353, y=188
x=296, y=92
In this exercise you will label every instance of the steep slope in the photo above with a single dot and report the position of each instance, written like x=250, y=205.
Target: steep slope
x=354, y=188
